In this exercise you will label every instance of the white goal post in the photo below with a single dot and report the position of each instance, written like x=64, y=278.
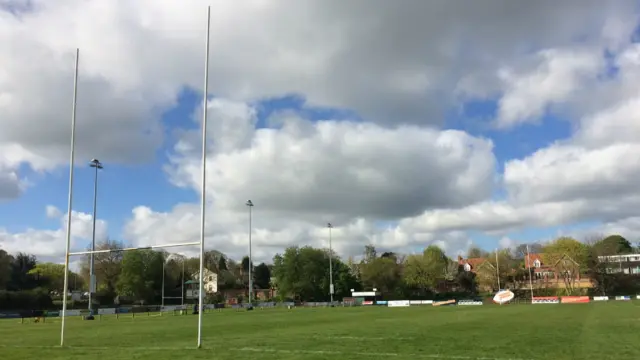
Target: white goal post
x=202, y=198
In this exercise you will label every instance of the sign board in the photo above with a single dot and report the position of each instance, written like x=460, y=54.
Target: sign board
x=331, y=289
x=443, y=303
x=469, y=302
x=398, y=303
x=503, y=297
x=600, y=298
x=545, y=300
x=367, y=303
x=623, y=298
x=426, y=302
x=381, y=302
x=574, y=299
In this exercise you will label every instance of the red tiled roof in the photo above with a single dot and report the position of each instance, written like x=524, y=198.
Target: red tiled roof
x=530, y=259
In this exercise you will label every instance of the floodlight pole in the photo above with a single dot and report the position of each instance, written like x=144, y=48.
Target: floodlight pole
x=70, y=199
x=203, y=183
x=163, y=271
x=498, y=270
x=95, y=163
x=250, y=205
x=329, y=226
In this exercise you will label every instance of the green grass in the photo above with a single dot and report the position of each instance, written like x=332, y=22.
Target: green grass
x=572, y=331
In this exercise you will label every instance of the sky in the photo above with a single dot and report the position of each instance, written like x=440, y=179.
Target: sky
x=402, y=123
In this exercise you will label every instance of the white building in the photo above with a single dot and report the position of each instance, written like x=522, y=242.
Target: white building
x=627, y=264
x=210, y=284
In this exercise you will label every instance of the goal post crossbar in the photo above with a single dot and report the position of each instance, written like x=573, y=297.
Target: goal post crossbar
x=133, y=248
x=203, y=197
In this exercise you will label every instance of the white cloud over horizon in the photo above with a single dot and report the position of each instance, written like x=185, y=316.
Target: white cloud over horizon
x=395, y=177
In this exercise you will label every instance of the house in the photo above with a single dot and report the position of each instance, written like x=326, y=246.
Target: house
x=210, y=280
x=625, y=264
x=564, y=270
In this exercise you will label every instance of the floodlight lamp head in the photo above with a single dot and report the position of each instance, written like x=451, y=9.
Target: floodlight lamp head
x=329, y=225
x=95, y=163
x=249, y=203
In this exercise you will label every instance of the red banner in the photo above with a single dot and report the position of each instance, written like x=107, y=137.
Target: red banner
x=367, y=303
x=545, y=300
x=574, y=299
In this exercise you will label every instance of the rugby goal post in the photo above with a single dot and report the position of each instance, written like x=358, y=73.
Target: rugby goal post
x=202, y=193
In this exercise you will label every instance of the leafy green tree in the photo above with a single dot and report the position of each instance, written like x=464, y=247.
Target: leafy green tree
x=569, y=257
x=302, y=273
x=6, y=261
x=476, y=252
x=20, y=277
x=426, y=270
x=613, y=245
x=381, y=273
x=50, y=276
x=262, y=276
x=106, y=266
x=370, y=253
x=141, y=275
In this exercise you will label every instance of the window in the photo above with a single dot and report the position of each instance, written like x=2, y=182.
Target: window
x=210, y=277
x=537, y=263
x=467, y=267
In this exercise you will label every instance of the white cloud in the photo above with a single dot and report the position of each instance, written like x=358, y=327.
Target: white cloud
x=399, y=67
x=557, y=77
x=389, y=63
x=49, y=245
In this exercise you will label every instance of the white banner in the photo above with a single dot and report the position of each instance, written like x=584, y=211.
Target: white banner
x=426, y=302
x=70, y=313
x=469, y=302
x=398, y=303
x=624, y=298
x=106, y=311
x=600, y=298
x=638, y=297
x=415, y=302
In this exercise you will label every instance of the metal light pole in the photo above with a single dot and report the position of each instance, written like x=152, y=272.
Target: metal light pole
x=330, y=264
x=250, y=205
x=95, y=163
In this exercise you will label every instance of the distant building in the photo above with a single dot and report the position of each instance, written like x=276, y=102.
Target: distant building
x=210, y=280
x=543, y=275
x=622, y=264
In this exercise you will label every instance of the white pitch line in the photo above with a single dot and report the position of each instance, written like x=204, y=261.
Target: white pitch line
x=265, y=350
x=370, y=354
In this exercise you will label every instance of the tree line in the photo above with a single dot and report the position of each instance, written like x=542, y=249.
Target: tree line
x=302, y=273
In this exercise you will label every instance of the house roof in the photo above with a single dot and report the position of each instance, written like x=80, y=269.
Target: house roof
x=530, y=259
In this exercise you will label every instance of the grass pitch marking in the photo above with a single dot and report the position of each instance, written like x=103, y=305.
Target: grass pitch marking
x=267, y=350
x=369, y=354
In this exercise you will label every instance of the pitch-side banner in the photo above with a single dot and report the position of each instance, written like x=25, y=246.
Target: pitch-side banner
x=623, y=298
x=444, y=303
x=398, y=303
x=470, y=302
x=600, y=298
x=574, y=299
x=545, y=300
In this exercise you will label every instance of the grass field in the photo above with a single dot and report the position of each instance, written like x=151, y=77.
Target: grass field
x=575, y=331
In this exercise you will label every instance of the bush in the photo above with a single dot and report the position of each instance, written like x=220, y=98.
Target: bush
x=37, y=299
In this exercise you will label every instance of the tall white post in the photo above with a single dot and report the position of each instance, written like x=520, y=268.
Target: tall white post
x=70, y=199
x=163, y=271
x=250, y=262
x=203, y=184
x=498, y=270
x=330, y=264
